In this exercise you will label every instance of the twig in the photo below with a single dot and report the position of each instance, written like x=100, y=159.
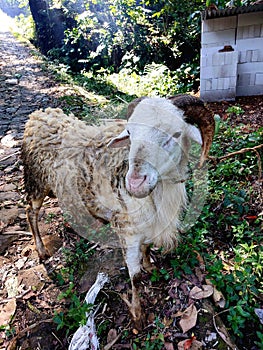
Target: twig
x=241, y=151
x=60, y=342
x=110, y=345
x=32, y=326
x=9, y=156
x=16, y=297
x=122, y=100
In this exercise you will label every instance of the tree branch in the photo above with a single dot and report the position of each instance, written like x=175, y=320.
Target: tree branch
x=216, y=160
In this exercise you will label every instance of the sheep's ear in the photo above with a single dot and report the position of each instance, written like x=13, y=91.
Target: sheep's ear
x=194, y=134
x=121, y=140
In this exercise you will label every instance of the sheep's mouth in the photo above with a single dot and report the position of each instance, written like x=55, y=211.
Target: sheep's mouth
x=139, y=187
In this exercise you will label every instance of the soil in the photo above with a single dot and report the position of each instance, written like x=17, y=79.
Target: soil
x=30, y=288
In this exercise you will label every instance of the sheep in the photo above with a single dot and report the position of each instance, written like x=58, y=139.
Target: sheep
x=129, y=173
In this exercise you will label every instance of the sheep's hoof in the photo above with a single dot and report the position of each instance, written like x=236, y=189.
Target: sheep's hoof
x=43, y=253
x=137, y=315
x=139, y=321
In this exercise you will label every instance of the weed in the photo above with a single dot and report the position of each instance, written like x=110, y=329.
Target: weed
x=237, y=110
x=76, y=311
x=153, y=340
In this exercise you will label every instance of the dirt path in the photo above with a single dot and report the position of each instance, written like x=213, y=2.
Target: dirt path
x=24, y=87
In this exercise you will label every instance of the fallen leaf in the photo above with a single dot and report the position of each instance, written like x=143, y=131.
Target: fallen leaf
x=200, y=293
x=168, y=346
x=188, y=343
x=194, y=345
x=218, y=297
x=11, y=285
x=112, y=335
x=189, y=318
x=7, y=310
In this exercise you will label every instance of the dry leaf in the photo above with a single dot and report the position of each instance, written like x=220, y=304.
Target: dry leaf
x=112, y=335
x=194, y=344
x=189, y=318
x=7, y=310
x=168, y=346
x=218, y=297
x=198, y=293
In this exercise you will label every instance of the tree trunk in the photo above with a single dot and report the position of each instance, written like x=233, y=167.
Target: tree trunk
x=50, y=25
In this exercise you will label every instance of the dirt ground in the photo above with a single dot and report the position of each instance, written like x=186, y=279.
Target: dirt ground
x=29, y=292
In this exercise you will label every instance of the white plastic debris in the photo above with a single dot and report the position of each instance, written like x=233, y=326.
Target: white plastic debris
x=85, y=338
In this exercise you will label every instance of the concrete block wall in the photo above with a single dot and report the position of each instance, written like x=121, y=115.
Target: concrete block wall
x=250, y=48
x=225, y=75
x=218, y=69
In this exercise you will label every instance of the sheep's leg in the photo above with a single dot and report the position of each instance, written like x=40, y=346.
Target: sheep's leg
x=133, y=256
x=32, y=212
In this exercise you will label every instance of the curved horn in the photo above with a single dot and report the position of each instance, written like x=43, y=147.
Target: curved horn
x=132, y=105
x=197, y=113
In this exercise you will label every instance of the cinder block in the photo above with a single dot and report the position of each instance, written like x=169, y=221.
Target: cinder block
x=257, y=29
x=221, y=38
x=208, y=84
x=242, y=57
x=251, y=31
x=247, y=19
x=218, y=95
x=259, y=79
x=220, y=84
x=218, y=59
x=249, y=91
x=255, y=56
x=249, y=55
x=226, y=83
x=233, y=82
x=231, y=57
x=250, y=67
x=225, y=71
x=214, y=84
x=243, y=79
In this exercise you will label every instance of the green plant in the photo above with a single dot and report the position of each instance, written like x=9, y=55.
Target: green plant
x=153, y=340
x=75, y=315
x=237, y=110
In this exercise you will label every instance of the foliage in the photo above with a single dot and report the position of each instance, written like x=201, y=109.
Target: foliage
x=75, y=314
x=76, y=311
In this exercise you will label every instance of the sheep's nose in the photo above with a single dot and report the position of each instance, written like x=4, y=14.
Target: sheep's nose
x=136, y=181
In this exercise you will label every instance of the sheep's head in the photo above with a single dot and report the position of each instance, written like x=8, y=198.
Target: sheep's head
x=159, y=140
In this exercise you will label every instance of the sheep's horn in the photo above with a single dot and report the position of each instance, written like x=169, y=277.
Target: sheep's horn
x=197, y=113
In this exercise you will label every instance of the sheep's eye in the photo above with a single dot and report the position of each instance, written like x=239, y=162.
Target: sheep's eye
x=177, y=134
x=128, y=132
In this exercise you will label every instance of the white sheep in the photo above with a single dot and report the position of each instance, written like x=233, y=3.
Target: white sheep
x=130, y=174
